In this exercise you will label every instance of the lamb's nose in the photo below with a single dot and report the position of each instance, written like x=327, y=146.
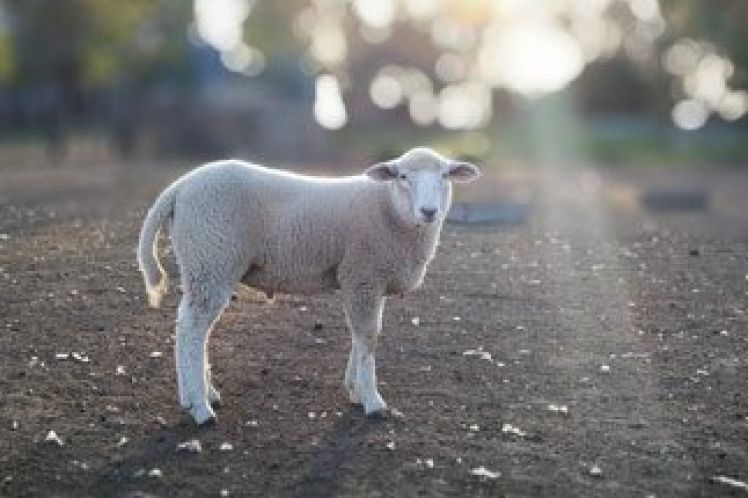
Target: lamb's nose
x=429, y=213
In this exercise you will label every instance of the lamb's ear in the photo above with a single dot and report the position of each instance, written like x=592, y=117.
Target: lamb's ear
x=382, y=172
x=463, y=172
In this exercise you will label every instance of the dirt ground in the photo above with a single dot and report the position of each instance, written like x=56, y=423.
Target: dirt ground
x=597, y=350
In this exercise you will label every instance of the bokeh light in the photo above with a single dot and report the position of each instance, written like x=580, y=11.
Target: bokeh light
x=219, y=22
x=528, y=48
x=690, y=114
x=532, y=58
x=441, y=65
x=329, y=109
x=386, y=91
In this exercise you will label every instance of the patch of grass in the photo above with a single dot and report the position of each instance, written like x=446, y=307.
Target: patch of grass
x=670, y=148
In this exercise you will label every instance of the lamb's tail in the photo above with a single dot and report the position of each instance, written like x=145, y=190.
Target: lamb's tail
x=153, y=273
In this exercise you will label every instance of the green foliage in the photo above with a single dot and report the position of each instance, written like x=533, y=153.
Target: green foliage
x=269, y=27
x=90, y=44
x=8, y=62
x=667, y=148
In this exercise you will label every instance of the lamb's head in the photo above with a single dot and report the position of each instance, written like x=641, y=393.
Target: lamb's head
x=421, y=183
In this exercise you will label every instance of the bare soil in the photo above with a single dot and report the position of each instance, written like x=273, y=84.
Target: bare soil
x=597, y=350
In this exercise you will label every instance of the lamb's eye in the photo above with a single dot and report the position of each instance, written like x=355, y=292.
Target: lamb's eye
x=403, y=176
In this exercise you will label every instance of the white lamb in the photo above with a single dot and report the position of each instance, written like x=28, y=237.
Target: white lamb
x=369, y=235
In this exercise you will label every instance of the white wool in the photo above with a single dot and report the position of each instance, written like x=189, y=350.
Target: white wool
x=370, y=235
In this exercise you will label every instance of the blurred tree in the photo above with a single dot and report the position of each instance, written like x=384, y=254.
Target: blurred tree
x=107, y=64
x=89, y=44
x=270, y=27
x=68, y=55
x=8, y=62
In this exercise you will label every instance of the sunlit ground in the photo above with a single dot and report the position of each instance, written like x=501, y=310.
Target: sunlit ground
x=590, y=337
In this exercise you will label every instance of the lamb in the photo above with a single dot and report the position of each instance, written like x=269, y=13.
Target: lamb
x=370, y=236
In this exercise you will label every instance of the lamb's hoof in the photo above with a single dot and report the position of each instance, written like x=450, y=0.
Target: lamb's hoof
x=353, y=396
x=203, y=415
x=377, y=415
x=214, y=397
x=374, y=406
x=386, y=414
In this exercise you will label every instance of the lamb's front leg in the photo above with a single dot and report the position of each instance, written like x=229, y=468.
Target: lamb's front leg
x=214, y=396
x=364, y=316
x=351, y=374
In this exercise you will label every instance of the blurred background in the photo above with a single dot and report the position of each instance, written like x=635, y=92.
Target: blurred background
x=644, y=82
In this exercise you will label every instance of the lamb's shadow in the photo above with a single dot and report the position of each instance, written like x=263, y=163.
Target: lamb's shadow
x=342, y=460
x=129, y=475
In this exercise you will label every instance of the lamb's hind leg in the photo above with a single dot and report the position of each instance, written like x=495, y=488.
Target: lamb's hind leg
x=213, y=251
x=214, y=396
x=198, y=311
